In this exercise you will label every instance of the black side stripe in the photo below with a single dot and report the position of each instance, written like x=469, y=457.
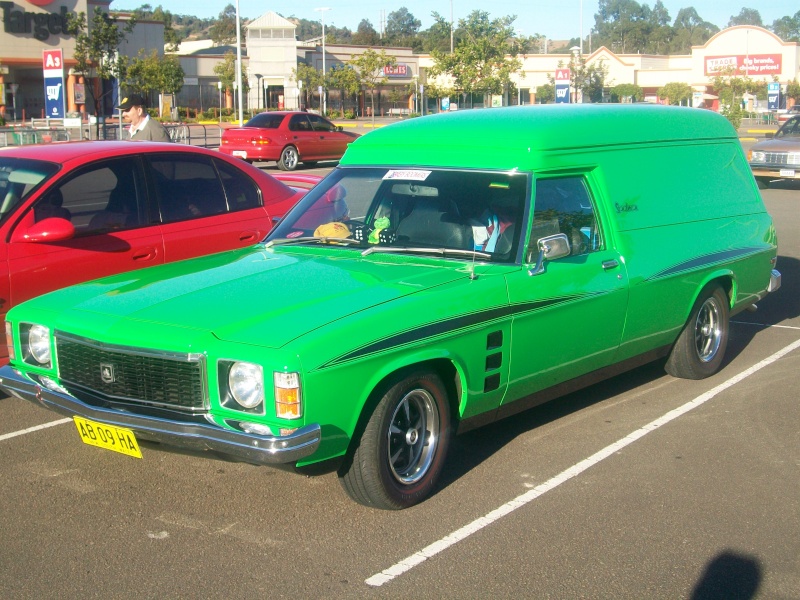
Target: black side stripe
x=704, y=261
x=454, y=324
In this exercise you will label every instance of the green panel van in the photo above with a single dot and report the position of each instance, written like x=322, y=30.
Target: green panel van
x=453, y=270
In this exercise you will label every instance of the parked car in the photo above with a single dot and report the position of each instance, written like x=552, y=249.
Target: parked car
x=785, y=116
x=77, y=211
x=778, y=157
x=452, y=271
x=289, y=138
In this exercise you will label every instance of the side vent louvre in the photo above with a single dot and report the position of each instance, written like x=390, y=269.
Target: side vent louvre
x=494, y=340
x=494, y=361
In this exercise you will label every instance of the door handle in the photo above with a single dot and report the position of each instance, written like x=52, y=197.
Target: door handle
x=144, y=255
x=249, y=236
x=610, y=264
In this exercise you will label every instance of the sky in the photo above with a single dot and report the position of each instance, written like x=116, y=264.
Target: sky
x=533, y=16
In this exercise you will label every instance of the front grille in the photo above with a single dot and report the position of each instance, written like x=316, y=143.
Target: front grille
x=132, y=375
x=782, y=158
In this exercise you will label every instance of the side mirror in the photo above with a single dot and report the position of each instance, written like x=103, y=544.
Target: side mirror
x=769, y=135
x=551, y=247
x=52, y=229
x=339, y=128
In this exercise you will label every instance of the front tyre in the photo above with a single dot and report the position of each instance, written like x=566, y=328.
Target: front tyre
x=700, y=348
x=289, y=159
x=401, y=453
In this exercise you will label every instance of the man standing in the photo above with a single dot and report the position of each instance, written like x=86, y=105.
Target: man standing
x=142, y=127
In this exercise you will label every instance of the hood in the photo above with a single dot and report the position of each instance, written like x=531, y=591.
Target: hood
x=265, y=297
x=784, y=144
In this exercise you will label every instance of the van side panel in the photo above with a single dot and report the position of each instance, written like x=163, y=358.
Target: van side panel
x=671, y=183
x=681, y=215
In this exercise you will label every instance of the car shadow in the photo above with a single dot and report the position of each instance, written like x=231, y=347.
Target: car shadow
x=469, y=450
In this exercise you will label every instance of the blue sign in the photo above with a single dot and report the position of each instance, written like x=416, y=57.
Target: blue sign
x=53, y=69
x=773, y=95
x=54, y=97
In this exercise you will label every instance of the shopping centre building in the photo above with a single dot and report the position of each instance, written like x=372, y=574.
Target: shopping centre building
x=33, y=33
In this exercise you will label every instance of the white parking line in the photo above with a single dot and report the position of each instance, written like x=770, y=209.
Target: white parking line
x=8, y=436
x=435, y=548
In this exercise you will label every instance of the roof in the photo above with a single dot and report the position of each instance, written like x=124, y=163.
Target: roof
x=60, y=152
x=508, y=138
x=271, y=20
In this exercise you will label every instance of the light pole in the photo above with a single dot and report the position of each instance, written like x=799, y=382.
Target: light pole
x=239, y=62
x=219, y=87
x=324, y=100
x=451, y=26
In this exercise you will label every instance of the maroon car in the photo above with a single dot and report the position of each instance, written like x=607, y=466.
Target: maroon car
x=80, y=210
x=289, y=138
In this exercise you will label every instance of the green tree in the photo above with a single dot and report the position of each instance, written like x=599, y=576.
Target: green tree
x=676, y=92
x=588, y=80
x=690, y=30
x=788, y=28
x=437, y=92
x=793, y=90
x=309, y=79
x=402, y=28
x=226, y=71
x=148, y=73
x=223, y=32
x=437, y=36
x=365, y=34
x=370, y=67
x=627, y=91
x=545, y=94
x=484, y=59
x=622, y=25
x=345, y=79
x=747, y=16
x=97, y=52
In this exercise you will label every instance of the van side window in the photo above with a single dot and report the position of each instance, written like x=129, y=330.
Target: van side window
x=564, y=205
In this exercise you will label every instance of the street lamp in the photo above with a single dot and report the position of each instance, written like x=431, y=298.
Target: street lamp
x=219, y=87
x=324, y=100
x=239, y=62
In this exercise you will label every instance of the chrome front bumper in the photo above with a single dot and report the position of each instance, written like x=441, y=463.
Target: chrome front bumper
x=774, y=280
x=251, y=448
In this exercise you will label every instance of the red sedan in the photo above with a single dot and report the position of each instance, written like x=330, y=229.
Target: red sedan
x=289, y=138
x=77, y=211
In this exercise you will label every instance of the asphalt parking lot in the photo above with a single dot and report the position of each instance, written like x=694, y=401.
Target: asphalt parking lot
x=644, y=486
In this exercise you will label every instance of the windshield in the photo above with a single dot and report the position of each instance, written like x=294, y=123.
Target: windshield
x=440, y=211
x=789, y=129
x=18, y=179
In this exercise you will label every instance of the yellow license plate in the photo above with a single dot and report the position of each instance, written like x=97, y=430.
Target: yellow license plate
x=109, y=437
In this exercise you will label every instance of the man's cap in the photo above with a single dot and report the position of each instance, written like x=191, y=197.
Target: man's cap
x=132, y=100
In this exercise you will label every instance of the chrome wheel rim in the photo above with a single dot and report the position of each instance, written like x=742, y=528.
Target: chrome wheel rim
x=290, y=158
x=708, y=330
x=413, y=436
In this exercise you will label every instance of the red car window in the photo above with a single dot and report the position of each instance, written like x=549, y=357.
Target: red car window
x=106, y=196
x=299, y=123
x=186, y=187
x=241, y=192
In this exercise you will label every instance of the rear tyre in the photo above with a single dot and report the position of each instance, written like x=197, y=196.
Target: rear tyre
x=700, y=347
x=289, y=159
x=401, y=453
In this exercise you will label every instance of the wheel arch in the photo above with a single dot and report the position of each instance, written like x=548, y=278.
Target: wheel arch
x=452, y=378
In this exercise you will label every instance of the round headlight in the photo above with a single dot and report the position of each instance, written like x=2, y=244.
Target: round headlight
x=39, y=344
x=758, y=157
x=246, y=384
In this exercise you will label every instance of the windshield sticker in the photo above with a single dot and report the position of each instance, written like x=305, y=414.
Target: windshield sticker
x=294, y=234
x=412, y=174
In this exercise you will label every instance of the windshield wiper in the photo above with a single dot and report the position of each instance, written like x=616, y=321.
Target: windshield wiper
x=317, y=240
x=436, y=251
